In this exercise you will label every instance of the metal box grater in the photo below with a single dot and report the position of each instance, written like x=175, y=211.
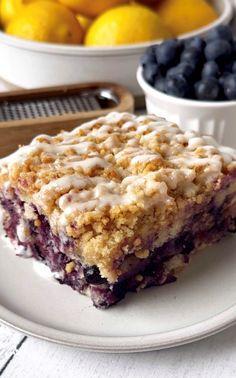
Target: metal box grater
x=27, y=113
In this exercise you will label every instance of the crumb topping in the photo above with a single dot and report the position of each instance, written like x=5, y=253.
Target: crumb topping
x=100, y=182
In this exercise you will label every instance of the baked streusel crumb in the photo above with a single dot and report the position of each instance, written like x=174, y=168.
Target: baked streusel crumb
x=117, y=188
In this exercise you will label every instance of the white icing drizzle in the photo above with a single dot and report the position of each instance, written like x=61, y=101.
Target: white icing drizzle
x=145, y=158
x=90, y=163
x=67, y=182
x=110, y=195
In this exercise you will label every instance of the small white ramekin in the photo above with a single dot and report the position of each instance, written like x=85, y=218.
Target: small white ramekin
x=217, y=119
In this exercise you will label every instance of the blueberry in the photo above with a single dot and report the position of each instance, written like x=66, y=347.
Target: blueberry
x=207, y=89
x=234, y=67
x=186, y=69
x=120, y=289
x=191, y=55
x=230, y=87
x=195, y=42
x=217, y=50
x=149, y=56
x=168, y=52
x=151, y=49
x=185, y=243
x=183, y=68
x=220, y=32
x=160, y=84
x=228, y=67
x=176, y=86
x=223, y=77
x=92, y=275
x=173, y=71
x=180, y=45
x=150, y=72
x=148, y=59
x=210, y=69
x=234, y=48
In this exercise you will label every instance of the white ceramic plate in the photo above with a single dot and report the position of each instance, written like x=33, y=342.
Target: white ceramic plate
x=200, y=304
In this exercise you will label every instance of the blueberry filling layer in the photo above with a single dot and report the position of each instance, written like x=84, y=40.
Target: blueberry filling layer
x=156, y=269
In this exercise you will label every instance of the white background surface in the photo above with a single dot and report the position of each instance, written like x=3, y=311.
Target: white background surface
x=26, y=357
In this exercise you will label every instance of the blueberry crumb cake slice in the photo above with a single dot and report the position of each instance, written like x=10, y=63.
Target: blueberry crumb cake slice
x=118, y=204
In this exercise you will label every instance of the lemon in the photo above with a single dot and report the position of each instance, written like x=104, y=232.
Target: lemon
x=91, y=8
x=10, y=8
x=182, y=16
x=46, y=21
x=126, y=24
x=149, y=2
x=84, y=21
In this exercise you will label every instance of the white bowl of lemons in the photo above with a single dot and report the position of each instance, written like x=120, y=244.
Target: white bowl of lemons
x=47, y=43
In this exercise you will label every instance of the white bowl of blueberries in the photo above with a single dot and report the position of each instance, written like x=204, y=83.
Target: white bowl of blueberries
x=193, y=82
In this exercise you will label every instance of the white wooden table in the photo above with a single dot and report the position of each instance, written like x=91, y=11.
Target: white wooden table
x=22, y=357
x=27, y=357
